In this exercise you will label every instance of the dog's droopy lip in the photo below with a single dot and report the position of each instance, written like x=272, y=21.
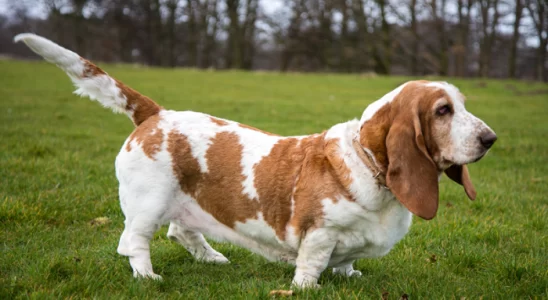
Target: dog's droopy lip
x=480, y=157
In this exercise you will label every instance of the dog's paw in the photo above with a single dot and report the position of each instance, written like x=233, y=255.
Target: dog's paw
x=347, y=272
x=354, y=273
x=305, y=285
x=215, y=258
x=148, y=275
x=305, y=282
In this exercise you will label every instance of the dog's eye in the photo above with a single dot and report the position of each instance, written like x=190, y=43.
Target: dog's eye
x=443, y=110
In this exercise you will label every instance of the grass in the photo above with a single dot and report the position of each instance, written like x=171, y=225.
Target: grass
x=57, y=177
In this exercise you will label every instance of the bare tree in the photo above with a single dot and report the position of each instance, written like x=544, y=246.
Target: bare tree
x=438, y=10
x=518, y=12
x=464, y=8
x=386, y=36
x=383, y=55
x=233, y=43
x=363, y=44
x=171, y=24
x=415, y=35
x=193, y=33
x=209, y=28
x=290, y=44
x=489, y=13
x=248, y=34
x=120, y=15
x=538, y=9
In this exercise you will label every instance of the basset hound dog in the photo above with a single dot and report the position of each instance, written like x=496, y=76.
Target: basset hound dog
x=315, y=201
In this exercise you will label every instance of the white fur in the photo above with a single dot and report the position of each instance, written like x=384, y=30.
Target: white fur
x=259, y=230
x=67, y=60
x=256, y=145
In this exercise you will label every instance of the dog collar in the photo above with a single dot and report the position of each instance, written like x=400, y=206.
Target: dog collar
x=370, y=163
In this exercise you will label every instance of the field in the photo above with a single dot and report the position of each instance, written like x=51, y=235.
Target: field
x=60, y=219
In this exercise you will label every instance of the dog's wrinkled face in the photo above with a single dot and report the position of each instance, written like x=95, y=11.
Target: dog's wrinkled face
x=418, y=131
x=459, y=137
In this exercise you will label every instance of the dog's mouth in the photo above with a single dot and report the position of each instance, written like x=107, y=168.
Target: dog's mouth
x=479, y=157
x=448, y=163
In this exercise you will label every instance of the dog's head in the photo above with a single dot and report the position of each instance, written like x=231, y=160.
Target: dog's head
x=418, y=131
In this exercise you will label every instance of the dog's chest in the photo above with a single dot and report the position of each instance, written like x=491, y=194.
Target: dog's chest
x=361, y=233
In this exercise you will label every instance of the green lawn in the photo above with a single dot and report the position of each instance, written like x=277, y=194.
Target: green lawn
x=57, y=175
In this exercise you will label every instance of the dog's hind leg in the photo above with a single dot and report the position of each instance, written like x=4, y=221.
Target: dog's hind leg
x=123, y=245
x=195, y=243
x=143, y=219
x=137, y=239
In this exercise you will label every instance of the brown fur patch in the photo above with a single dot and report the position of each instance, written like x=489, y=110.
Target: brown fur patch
x=185, y=166
x=219, y=191
x=142, y=106
x=275, y=177
x=149, y=136
x=91, y=70
x=308, y=170
x=318, y=180
x=373, y=135
x=303, y=170
x=218, y=121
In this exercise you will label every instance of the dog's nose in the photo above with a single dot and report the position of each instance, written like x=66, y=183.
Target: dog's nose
x=488, y=138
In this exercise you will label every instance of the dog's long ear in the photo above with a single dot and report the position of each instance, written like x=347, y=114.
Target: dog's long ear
x=412, y=174
x=460, y=175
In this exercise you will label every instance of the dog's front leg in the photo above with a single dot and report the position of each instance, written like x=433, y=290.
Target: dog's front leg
x=313, y=257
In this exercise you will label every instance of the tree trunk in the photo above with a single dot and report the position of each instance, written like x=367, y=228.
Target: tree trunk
x=515, y=38
x=363, y=51
x=415, y=34
x=439, y=22
x=152, y=46
x=383, y=57
x=79, y=26
x=172, y=39
x=233, y=57
x=293, y=33
x=248, y=35
x=192, y=39
x=344, y=61
x=489, y=34
x=542, y=60
x=210, y=34
x=325, y=34
x=538, y=10
x=461, y=49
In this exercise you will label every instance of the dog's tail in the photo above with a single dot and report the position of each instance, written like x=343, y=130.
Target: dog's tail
x=93, y=82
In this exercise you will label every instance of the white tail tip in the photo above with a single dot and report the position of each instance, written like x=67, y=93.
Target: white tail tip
x=24, y=36
x=64, y=58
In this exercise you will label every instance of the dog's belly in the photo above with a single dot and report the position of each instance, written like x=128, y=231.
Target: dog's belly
x=254, y=234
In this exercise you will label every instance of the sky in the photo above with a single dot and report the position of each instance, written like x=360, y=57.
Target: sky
x=269, y=6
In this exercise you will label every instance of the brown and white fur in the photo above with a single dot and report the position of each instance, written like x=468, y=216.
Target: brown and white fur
x=309, y=200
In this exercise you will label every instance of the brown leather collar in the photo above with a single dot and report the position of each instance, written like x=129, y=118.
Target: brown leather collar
x=369, y=162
